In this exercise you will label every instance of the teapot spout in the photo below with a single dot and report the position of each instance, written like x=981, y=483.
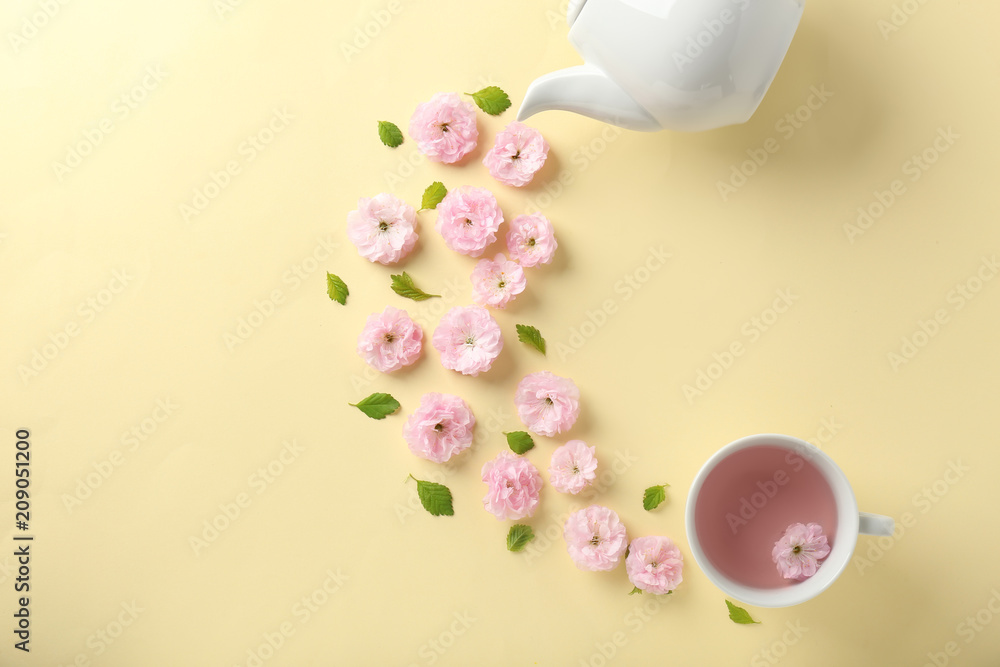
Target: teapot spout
x=589, y=92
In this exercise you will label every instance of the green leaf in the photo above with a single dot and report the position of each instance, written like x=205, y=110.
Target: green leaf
x=403, y=286
x=519, y=441
x=336, y=288
x=492, y=100
x=377, y=406
x=653, y=496
x=739, y=614
x=436, y=498
x=531, y=336
x=636, y=590
x=518, y=537
x=433, y=195
x=390, y=135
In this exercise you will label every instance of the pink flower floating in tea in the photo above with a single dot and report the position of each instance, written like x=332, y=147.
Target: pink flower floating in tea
x=798, y=552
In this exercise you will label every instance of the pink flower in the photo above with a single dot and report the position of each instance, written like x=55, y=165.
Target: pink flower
x=573, y=467
x=595, y=538
x=390, y=340
x=445, y=128
x=798, y=552
x=468, y=218
x=496, y=282
x=518, y=152
x=531, y=240
x=514, y=484
x=468, y=339
x=654, y=564
x=546, y=403
x=441, y=427
x=382, y=228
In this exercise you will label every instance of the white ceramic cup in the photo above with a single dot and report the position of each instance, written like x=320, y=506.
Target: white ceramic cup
x=850, y=523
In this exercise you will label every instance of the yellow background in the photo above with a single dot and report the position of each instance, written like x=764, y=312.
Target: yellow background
x=340, y=512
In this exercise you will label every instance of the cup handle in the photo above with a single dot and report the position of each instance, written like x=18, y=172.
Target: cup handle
x=875, y=524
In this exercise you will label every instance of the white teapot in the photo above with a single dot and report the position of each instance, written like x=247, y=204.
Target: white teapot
x=684, y=65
